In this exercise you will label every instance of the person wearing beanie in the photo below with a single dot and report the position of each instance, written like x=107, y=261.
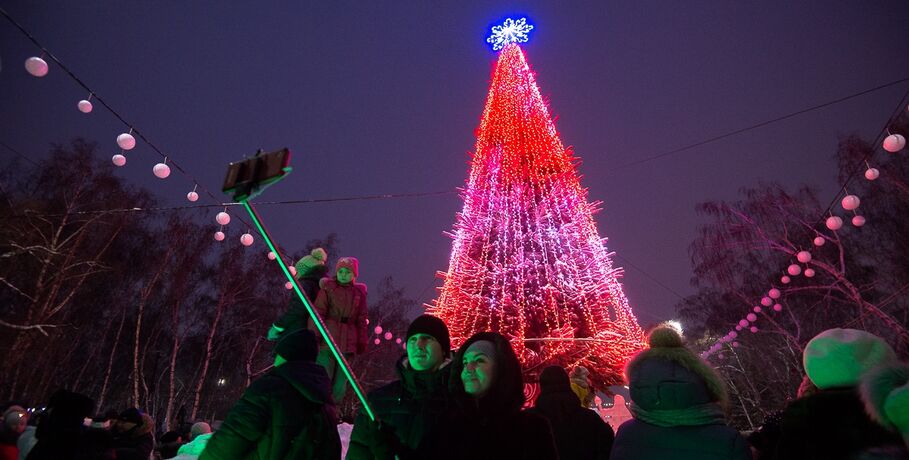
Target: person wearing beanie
x=678, y=403
x=410, y=406
x=310, y=269
x=286, y=413
x=579, y=432
x=831, y=423
x=199, y=434
x=133, y=435
x=484, y=419
x=341, y=304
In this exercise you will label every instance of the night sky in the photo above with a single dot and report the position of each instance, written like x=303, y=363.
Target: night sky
x=383, y=97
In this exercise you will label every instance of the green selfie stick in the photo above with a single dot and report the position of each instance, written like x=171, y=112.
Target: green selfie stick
x=249, y=178
x=345, y=367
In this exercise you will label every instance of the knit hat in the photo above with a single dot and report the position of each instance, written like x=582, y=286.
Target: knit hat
x=350, y=263
x=318, y=256
x=13, y=415
x=301, y=345
x=199, y=428
x=839, y=357
x=670, y=376
x=430, y=325
x=554, y=379
x=132, y=415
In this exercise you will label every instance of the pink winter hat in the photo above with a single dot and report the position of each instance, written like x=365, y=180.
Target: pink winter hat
x=840, y=357
x=350, y=263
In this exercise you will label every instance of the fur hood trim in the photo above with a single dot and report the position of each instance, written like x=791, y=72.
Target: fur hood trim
x=885, y=393
x=331, y=284
x=666, y=344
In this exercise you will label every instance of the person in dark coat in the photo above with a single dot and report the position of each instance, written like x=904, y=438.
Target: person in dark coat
x=409, y=407
x=485, y=420
x=579, y=432
x=678, y=405
x=310, y=269
x=287, y=413
x=61, y=432
x=133, y=433
x=832, y=423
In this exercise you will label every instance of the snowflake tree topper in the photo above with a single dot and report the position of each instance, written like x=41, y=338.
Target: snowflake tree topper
x=510, y=31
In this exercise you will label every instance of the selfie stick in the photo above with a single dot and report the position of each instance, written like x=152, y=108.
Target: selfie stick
x=244, y=198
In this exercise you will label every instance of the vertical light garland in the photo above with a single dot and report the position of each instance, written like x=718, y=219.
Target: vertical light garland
x=527, y=260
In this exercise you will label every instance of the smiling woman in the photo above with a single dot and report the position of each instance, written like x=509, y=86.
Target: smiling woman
x=485, y=419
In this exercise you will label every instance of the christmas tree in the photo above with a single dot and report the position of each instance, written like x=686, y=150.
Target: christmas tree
x=527, y=260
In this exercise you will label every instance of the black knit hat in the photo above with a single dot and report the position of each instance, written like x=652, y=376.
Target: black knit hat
x=299, y=345
x=428, y=324
x=553, y=379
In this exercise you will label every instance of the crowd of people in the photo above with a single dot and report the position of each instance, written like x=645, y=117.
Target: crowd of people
x=470, y=403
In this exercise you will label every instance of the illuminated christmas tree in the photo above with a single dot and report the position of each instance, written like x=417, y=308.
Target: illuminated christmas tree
x=527, y=260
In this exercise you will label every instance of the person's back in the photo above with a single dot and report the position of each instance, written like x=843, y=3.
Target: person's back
x=287, y=413
x=677, y=403
x=579, y=433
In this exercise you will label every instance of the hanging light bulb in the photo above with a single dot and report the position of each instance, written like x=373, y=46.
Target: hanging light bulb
x=36, y=66
x=126, y=141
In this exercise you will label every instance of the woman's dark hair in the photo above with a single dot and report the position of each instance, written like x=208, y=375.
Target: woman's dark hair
x=507, y=392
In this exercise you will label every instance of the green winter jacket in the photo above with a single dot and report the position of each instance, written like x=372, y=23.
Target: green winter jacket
x=291, y=399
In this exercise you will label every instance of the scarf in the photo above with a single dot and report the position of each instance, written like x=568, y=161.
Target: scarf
x=702, y=414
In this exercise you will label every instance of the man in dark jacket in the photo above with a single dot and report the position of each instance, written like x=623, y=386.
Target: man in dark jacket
x=287, y=413
x=409, y=407
x=579, y=432
x=133, y=435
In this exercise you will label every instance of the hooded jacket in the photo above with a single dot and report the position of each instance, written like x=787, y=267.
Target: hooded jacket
x=494, y=426
x=296, y=317
x=343, y=308
x=677, y=403
x=137, y=443
x=579, y=432
x=290, y=399
x=412, y=405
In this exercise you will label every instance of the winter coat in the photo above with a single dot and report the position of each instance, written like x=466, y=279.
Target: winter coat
x=830, y=425
x=343, y=308
x=26, y=442
x=412, y=405
x=677, y=404
x=296, y=317
x=137, y=443
x=579, y=433
x=290, y=402
x=194, y=448
x=494, y=426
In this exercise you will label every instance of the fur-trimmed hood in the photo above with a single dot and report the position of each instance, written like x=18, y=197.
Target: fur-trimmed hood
x=330, y=284
x=885, y=393
x=668, y=376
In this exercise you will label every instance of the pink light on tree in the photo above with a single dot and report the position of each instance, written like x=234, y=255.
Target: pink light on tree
x=527, y=260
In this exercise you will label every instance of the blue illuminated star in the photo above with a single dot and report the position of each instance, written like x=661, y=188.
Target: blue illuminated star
x=510, y=31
